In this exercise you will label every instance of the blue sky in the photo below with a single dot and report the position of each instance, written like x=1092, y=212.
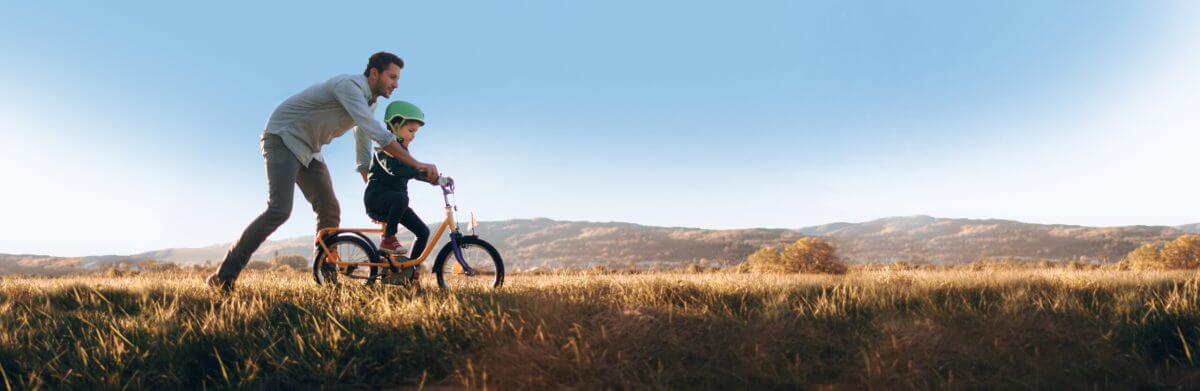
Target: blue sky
x=134, y=126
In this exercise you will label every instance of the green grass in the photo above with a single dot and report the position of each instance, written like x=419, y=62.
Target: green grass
x=883, y=330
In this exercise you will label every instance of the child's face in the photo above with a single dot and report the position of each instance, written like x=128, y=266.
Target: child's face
x=407, y=132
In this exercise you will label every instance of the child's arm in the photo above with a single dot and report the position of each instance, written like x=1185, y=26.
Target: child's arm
x=395, y=167
x=394, y=149
x=425, y=178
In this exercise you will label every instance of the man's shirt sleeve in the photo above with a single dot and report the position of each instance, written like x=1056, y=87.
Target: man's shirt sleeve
x=351, y=97
x=362, y=150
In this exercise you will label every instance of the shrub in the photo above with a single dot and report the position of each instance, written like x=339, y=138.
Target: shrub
x=294, y=262
x=807, y=255
x=763, y=259
x=153, y=265
x=1181, y=253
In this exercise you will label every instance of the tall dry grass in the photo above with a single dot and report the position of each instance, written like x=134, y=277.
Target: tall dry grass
x=866, y=329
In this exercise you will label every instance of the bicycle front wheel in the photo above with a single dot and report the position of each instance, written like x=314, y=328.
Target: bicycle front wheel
x=481, y=266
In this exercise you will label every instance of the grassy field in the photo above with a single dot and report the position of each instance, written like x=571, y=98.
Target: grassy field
x=865, y=330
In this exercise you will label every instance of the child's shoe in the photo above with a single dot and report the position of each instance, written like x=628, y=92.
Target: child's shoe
x=390, y=244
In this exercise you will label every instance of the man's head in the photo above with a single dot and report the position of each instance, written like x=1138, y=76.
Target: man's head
x=383, y=73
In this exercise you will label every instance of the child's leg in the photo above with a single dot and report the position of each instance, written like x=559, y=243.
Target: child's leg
x=418, y=228
x=399, y=206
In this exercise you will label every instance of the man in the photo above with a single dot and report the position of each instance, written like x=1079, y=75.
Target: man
x=291, y=147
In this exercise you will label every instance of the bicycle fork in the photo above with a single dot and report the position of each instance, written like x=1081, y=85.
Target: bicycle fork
x=454, y=243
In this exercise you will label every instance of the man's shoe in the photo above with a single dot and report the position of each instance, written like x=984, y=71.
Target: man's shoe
x=219, y=283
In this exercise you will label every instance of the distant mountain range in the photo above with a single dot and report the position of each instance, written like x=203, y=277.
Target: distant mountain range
x=546, y=243
x=939, y=240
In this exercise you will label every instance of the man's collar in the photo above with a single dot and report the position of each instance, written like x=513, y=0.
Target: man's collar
x=366, y=84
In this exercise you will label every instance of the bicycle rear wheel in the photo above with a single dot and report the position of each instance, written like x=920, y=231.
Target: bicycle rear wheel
x=354, y=254
x=484, y=268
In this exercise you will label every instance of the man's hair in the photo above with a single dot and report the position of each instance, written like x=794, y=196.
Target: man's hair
x=380, y=62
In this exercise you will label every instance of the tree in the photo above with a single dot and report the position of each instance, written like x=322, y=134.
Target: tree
x=765, y=259
x=807, y=255
x=1181, y=253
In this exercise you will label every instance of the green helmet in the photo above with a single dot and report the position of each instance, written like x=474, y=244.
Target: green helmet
x=404, y=110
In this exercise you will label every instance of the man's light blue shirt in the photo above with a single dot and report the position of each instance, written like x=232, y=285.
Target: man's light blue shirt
x=314, y=117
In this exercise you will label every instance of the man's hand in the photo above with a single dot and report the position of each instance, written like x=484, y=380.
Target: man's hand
x=364, y=176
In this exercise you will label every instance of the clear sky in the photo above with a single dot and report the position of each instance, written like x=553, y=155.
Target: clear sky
x=134, y=126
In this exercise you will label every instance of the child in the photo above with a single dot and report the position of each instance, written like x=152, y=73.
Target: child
x=386, y=197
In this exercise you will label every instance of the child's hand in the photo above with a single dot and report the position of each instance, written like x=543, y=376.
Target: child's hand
x=431, y=173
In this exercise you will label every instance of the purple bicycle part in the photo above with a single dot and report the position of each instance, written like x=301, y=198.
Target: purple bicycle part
x=458, y=254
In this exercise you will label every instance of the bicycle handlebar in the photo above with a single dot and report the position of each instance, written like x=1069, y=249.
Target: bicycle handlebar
x=447, y=183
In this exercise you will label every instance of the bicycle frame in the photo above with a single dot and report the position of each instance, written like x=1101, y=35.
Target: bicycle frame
x=447, y=223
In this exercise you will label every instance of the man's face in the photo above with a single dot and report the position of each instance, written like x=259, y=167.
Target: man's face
x=383, y=83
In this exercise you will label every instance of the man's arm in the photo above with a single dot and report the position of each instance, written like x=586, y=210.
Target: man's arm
x=350, y=96
x=362, y=153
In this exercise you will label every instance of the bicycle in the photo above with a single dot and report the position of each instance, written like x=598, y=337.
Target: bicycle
x=347, y=255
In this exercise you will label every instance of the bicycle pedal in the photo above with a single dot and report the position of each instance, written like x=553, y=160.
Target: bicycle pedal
x=406, y=276
x=394, y=279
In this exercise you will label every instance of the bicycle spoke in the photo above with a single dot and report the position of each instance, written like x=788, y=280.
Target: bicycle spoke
x=482, y=269
x=355, y=274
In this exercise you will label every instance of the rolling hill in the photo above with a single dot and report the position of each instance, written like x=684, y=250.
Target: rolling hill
x=940, y=240
x=546, y=243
